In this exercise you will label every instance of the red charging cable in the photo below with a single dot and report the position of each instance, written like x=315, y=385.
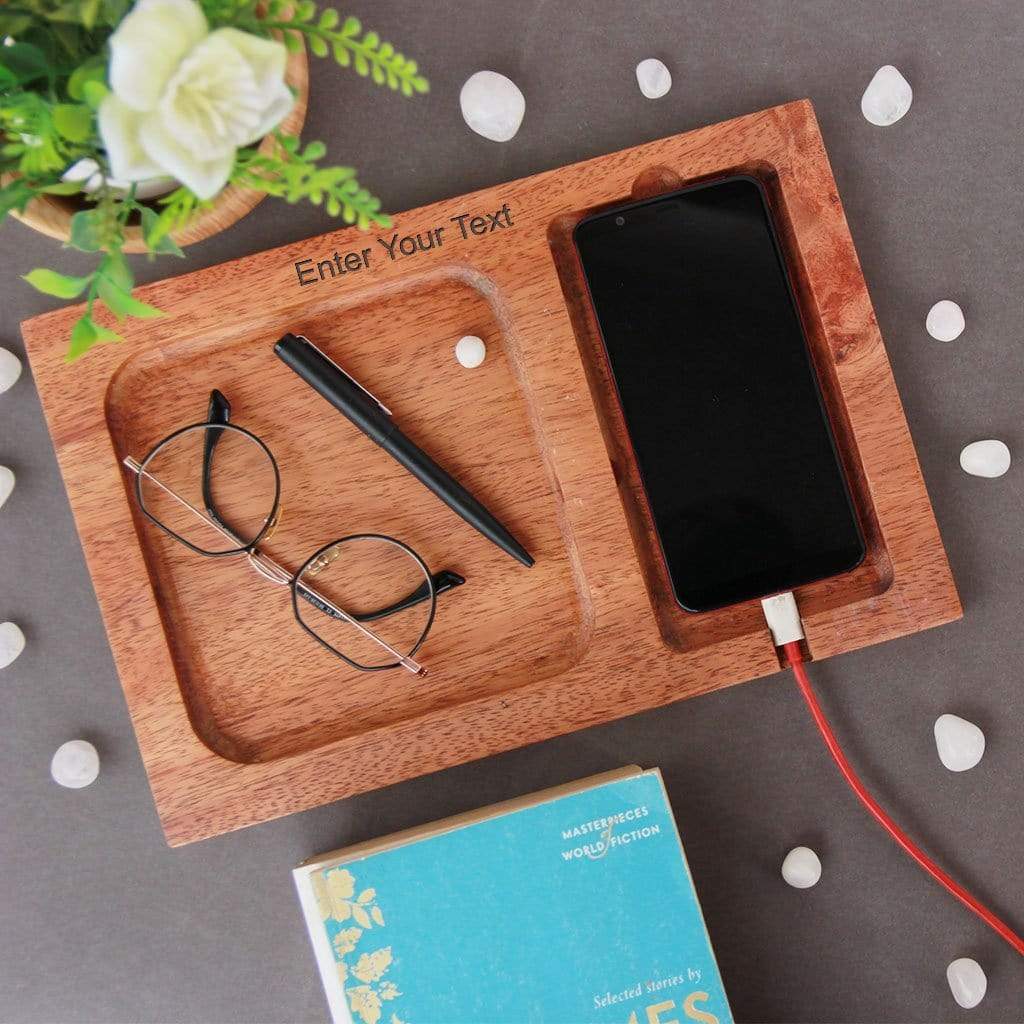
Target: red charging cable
x=795, y=658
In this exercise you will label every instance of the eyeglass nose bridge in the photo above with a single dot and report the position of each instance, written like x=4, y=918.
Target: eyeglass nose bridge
x=268, y=568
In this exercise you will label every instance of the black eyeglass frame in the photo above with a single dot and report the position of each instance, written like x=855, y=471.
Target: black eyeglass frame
x=311, y=599
x=275, y=508
x=218, y=419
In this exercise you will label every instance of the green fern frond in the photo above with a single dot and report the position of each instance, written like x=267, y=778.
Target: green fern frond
x=365, y=52
x=294, y=175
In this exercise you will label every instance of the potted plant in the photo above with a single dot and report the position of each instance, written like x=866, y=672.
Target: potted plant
x=142, y=127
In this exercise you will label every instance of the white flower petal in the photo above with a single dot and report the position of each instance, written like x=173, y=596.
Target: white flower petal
x=227, y=91
x=280, y=104
x=266, y=57
x=119, y=128
x=204, y=176
x=81, y=170
x=149, y=44
x=212, y=102
x=86, y=172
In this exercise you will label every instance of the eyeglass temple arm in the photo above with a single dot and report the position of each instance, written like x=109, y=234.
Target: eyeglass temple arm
x=443, y=581
x=218, y=412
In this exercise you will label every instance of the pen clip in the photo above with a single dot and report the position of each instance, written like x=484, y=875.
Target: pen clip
x=345, y=373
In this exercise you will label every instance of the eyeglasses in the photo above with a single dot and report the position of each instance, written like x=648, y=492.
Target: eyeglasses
x=215, y=488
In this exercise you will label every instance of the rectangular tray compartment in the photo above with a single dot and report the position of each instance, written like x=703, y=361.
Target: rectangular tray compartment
x=255, y=685
x=683, y=630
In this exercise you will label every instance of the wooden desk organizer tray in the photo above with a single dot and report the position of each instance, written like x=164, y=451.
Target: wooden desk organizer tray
x=240, y=717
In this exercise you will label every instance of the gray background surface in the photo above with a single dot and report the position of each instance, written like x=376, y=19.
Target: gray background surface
x=102, y=922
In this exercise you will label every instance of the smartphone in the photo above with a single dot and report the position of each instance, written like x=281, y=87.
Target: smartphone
x=720, y=397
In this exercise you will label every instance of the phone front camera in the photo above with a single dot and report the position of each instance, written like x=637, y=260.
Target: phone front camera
x=619, y=221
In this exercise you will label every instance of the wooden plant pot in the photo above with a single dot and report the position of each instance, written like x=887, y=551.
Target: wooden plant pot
x=51, y=215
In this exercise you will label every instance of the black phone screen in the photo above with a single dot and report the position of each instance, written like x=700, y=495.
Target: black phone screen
x=719, y=394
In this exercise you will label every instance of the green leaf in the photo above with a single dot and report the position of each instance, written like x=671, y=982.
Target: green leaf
x=154, y=231
x=89, y=11
x=114, y=11
x=69, y=37
x=122, y=304
x=329, y=18
x=341, y=55
x=88, y=231
x=84, y=335
x=94, y=92
x=15, y=196
x=61, y=188
x=73, y=121
x=14, y=24
x=167, y=246
x=49, y=282
x=93, y=70
x=318, y=45
x=25, y=62
x=115, y=267
x=305, y=10
x=155, y=225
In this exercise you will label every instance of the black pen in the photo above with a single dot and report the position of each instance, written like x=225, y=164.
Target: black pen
x=373, y=418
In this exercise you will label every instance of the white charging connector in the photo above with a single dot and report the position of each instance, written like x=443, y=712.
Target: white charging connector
x=783, y=618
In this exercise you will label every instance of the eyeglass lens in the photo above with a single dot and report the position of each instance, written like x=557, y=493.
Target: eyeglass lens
x=377, y=583
x=235, y=487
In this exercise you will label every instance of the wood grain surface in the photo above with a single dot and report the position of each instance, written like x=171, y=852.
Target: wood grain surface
x=240, y=717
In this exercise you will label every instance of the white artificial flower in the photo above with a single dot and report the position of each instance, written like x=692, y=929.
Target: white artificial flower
x=88, y=173
x=184, y=98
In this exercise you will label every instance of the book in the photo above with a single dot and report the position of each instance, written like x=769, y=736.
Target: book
x=570, y=906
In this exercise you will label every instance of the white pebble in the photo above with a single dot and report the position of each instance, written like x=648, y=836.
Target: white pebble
x=653, y=78
x=960, y=743
x=76, y=764
x=887, y=97
x=10, y=369
x=967, y=982
x=470, y=351
x=492, y=105
x=6, y=484
x=985, y=458
x=801, y=868
x=945, y=321
x=12, y=643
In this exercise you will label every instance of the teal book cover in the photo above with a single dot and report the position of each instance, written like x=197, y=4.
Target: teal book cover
x=569, y=907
